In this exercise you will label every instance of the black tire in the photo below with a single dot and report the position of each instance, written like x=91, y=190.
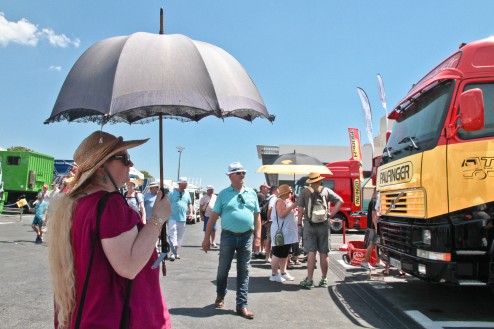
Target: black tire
x=337, y=226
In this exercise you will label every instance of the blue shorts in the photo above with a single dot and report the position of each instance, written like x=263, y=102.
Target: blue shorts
x=38, y=221
x=370, y=236
x=206, y=219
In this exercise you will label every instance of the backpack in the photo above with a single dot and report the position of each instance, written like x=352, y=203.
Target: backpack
x=264, y=210
x=317, y=209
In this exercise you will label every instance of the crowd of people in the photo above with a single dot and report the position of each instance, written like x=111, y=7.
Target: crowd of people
x=95, y=228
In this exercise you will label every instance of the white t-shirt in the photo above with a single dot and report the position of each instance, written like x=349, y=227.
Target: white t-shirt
x=272, y=200
x=204, y=201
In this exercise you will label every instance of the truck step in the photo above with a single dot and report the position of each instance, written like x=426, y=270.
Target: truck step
x=471, y=283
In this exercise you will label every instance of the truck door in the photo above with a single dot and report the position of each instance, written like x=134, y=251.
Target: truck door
x=471, y=177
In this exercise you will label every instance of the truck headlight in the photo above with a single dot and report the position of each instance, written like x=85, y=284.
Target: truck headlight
x=426, y=237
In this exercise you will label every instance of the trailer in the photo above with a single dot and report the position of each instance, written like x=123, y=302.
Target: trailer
x=24, y=174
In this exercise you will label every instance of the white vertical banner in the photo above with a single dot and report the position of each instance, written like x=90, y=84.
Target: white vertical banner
x=382, y=95
x=367, y=115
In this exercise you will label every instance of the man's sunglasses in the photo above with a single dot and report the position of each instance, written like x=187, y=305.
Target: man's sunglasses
x=240, y=173
x=125, y=158
x=240, y=199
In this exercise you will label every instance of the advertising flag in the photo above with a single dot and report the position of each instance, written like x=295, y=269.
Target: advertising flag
x=382, y=95
x=356, y=149
x=354, y=135
x=367, y=115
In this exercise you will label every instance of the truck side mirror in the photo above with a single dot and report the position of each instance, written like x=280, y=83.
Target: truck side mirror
x=472, y=110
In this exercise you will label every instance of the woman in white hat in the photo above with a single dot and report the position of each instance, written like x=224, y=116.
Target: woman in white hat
x=100, y=259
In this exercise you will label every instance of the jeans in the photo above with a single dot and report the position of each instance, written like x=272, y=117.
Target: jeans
x=229, y=244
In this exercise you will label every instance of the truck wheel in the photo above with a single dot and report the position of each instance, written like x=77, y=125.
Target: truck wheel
x=337, y=226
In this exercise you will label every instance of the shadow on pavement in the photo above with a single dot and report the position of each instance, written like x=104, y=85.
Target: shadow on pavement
x=200, y=312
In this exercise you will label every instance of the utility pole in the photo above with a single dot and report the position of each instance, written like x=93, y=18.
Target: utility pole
x=180, y=149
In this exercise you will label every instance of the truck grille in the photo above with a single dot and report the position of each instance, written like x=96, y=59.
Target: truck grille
x=405, y=203
x=396, y=236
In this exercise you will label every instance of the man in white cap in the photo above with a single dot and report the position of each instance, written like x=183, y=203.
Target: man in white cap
x=316, y=234
x=206, y=205
x=181, y=203
x=239, y=210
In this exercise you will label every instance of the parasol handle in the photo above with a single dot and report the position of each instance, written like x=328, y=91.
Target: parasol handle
x=162, y=31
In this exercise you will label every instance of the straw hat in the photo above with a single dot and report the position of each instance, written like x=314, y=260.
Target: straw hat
x=235, y=167
x=154, y=184
x=284, y=189
x=314, y=178
x=94, y=151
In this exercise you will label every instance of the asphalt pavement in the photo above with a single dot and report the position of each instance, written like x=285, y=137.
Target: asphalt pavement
x=189, y=289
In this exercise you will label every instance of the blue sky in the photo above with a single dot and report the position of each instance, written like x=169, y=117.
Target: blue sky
x=306, y=57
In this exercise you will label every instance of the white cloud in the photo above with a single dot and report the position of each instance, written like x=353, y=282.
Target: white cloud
x=27, y=34
x=60, y=40
x=55, y=68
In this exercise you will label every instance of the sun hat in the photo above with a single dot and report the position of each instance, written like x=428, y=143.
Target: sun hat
x=154, y=184
x=94, y=151
x=134, y=181
x=314, y=177
x=45, y=186
x=210, y=187
x=183, y=180
x=264, y=185
x=235, y=167
x=284, y=189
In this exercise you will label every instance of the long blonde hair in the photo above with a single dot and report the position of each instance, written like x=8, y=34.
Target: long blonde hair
x=60, y=253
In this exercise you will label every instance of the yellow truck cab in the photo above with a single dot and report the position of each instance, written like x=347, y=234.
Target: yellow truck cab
x=436, y=176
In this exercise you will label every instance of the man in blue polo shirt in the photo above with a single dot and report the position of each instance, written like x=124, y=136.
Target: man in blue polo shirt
x=182, y=211
x=239, y=210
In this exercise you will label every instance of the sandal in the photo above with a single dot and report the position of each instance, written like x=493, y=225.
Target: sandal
x=400, y=273
x=385, y=272
x=297, y=263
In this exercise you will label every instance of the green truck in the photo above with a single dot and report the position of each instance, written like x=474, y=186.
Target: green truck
x=24, y=174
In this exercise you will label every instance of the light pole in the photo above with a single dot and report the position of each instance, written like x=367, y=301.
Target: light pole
x=180, y=149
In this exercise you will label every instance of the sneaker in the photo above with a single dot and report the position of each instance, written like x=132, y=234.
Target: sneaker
x=38, y=240
x=268, y=260
x=178, y=256
x=172, y=257
x=306, y=283
x=287, y=277
x=323, y=283
x=215, y=246
x=277, y=278
x=380, y=265
x=367, y=265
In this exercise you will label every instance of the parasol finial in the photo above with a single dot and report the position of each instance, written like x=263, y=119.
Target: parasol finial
x=161, y=21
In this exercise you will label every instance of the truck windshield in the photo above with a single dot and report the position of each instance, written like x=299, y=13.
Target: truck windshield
x=418, y=127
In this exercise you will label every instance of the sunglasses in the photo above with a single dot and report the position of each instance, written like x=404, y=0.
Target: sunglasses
x=240, y=173
x=125, y=158
x=240, y=199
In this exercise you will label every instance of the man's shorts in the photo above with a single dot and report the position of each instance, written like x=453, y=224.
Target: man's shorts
x=316, y=237
x=370, y=237
x=265, y=231
x=206, y=219
x=38, y=221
